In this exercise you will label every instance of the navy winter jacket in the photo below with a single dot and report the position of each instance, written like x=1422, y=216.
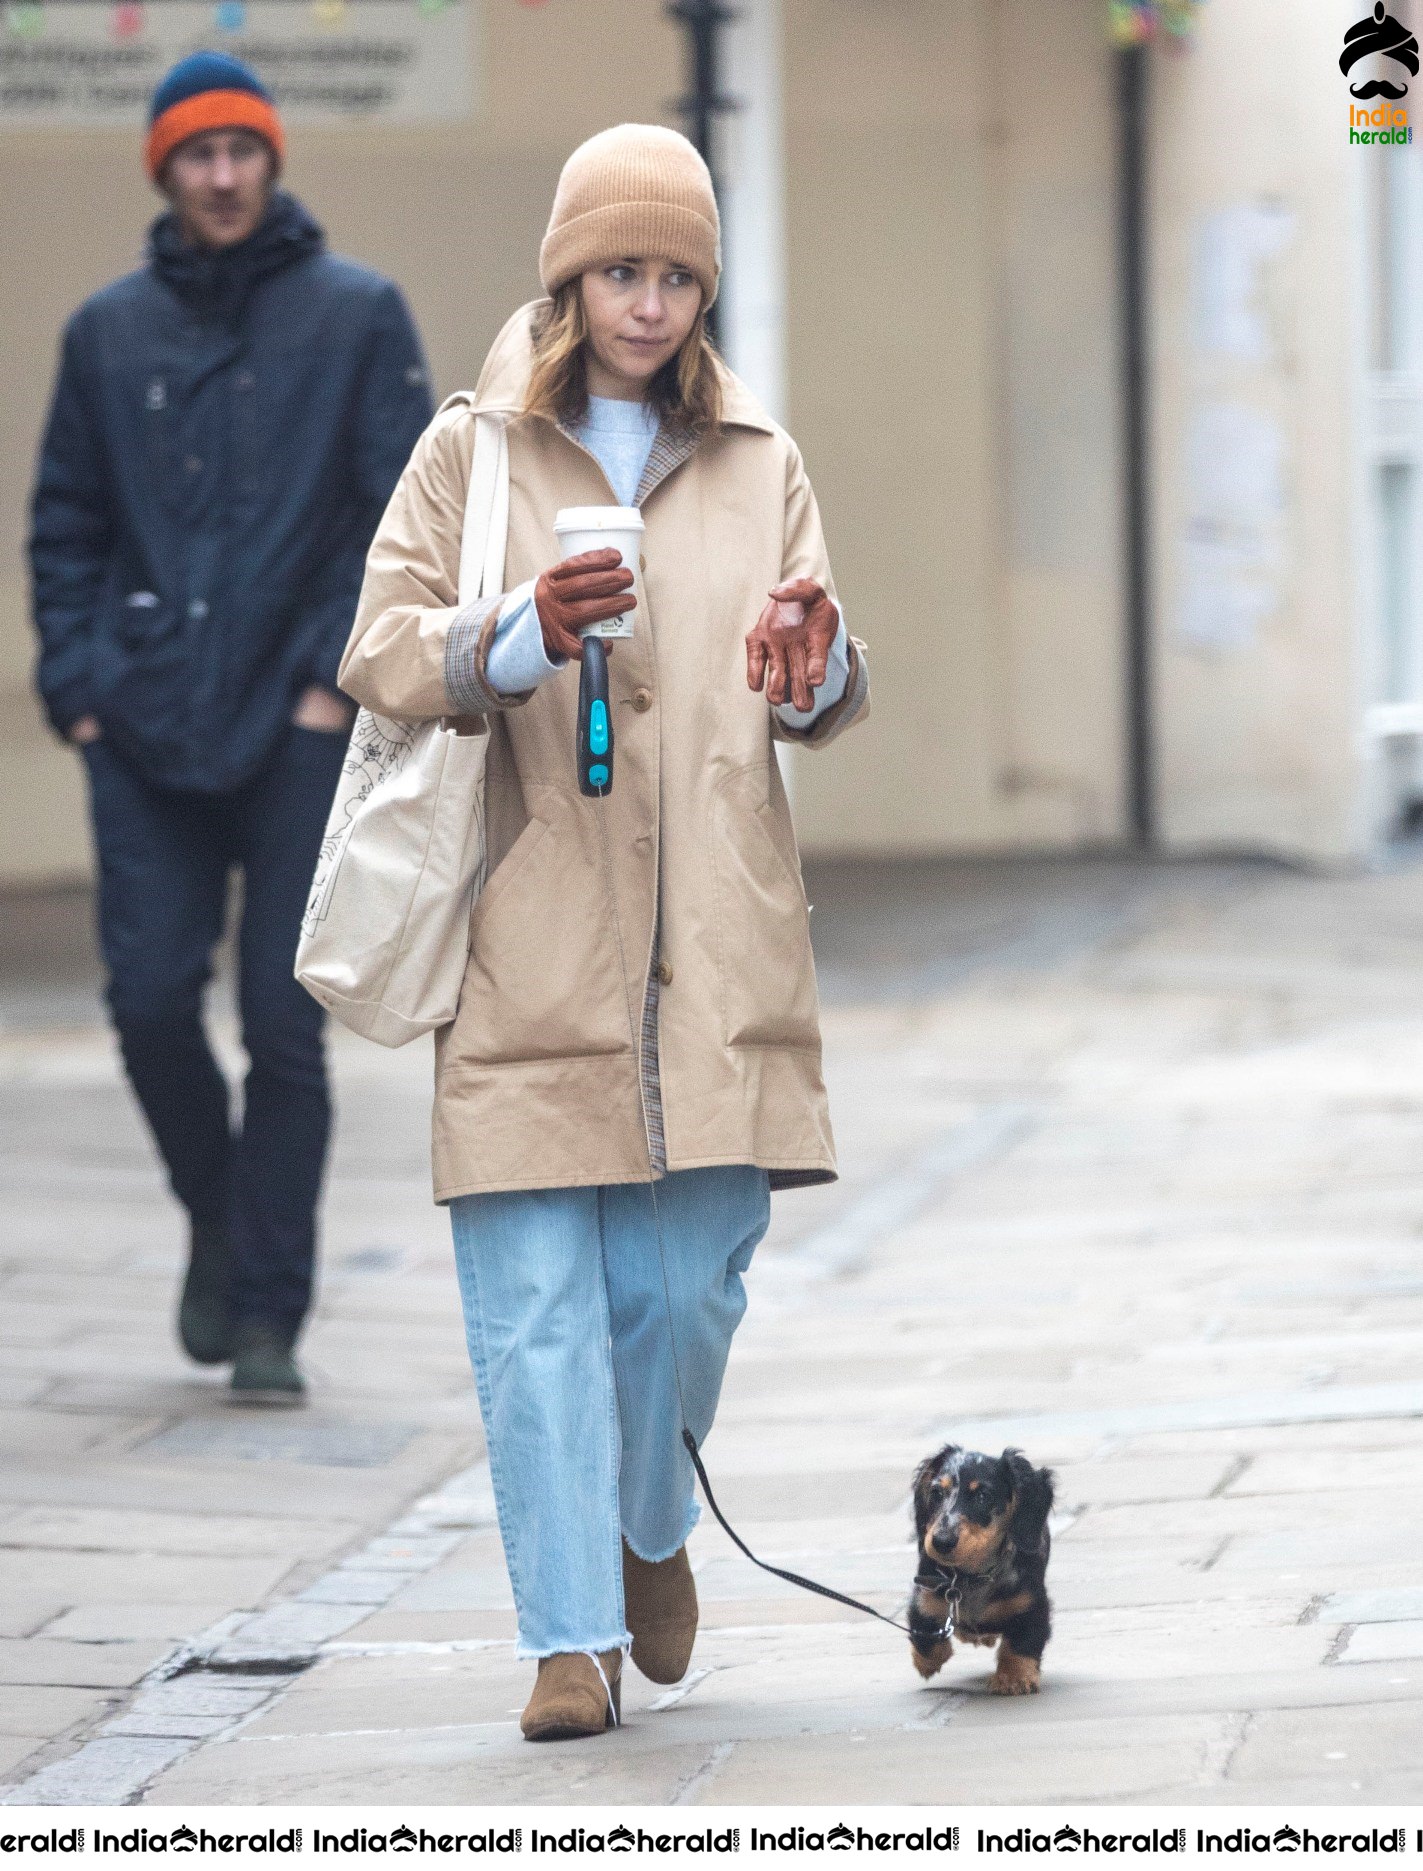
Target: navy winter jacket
x=226, y=431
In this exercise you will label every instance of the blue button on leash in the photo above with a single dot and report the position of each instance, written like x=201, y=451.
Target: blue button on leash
x=595, y=725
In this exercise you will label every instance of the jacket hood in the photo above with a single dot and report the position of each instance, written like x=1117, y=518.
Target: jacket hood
x=505, y=378
x=220, y=281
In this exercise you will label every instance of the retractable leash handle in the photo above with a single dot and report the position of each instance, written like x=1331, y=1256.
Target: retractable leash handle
x=595, y=721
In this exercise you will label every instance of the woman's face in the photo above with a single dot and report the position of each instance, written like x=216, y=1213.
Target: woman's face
x=639, y=313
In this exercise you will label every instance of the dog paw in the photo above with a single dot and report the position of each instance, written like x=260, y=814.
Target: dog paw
x=930, y=1663
x=1015, y=1676
x=978, y=1637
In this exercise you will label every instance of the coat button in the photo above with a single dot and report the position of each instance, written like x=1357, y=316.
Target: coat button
x=642, y=700
x=664, y=973
x=194, y=464
x=198, y=610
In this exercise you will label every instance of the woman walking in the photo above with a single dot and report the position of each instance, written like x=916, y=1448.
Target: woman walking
x=635, y=1063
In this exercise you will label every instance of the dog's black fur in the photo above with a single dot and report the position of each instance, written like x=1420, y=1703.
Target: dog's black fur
x=980, y=1524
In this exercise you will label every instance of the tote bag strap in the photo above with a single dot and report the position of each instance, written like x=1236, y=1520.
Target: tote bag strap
x=486, y=513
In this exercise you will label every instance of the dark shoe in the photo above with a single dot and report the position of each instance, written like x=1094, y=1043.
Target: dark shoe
x=205, y=1310
x=660, y=1599
x=574, y=1696
x=263, y=1368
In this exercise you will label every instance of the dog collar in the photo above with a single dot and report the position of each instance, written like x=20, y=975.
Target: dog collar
x=945, y=1581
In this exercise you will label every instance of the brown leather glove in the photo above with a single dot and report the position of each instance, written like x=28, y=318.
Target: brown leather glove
x=587, y=589
x=790, y=646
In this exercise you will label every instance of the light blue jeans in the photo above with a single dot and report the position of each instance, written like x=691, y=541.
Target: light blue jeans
x=567, y=1322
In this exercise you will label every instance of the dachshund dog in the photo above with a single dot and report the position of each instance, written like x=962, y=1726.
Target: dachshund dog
x=981, y=1529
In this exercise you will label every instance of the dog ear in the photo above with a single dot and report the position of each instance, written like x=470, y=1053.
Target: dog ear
x=923, y=1476
x=1032, y=1500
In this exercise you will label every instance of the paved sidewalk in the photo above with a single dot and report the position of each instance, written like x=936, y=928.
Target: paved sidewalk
x=1133, y=1177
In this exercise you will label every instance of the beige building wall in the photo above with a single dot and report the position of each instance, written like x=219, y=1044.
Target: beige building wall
x=1255, y=308
x=951, y=325
x=950, y=338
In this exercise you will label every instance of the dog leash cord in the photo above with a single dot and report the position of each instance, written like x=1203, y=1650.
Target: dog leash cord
x=688, y=1439
x=791, y=1578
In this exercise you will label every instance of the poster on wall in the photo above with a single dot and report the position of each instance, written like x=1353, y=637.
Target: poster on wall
x=92, y=64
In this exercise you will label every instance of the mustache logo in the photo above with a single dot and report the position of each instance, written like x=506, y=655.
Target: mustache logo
x=1383, y=34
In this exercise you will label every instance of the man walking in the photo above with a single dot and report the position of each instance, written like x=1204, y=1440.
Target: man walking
x=228, y=424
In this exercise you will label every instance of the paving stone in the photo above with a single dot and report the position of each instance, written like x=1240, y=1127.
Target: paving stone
x=206, y=1692
x=1325, y=1405
x=1363, y=1740
x=345, y=1586
x=485, y=1590
x=81, y=1578
x=138, y=1721
x=1037, y=1763
x=432, y=1627
x=106, y=1624
x=22, y=1614
x=1376, y=1606
x=55, y=1432
x=456, y=1766
x=409, y=1693
x=31, y=1709
x=107, y=1771
x=128, y=1531
x=292, y=1627
x=404, y=1553
x=1135, y=1480
x=263, y=1439
x=82, y=1666
x=15, y=1752
x=1367, y=1546
x=1372, y=1641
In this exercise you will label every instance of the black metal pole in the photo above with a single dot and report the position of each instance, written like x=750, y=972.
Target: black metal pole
x=1132, y=70
x=704, y=101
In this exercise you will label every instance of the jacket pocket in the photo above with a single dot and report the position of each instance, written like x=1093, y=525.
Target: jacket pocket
x=143, y=618
x=768, y=995
x=543, y=980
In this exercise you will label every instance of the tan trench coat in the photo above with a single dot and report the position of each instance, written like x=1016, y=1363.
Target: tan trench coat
x=537, y=1079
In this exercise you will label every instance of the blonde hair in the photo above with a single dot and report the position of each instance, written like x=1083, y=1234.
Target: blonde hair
x=686, y=391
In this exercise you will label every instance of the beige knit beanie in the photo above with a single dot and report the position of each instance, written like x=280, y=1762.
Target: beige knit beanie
x=637, y=189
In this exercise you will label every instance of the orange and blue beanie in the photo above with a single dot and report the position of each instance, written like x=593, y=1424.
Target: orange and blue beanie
x=209, y=91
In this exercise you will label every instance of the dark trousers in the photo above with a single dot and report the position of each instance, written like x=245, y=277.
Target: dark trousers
x=164, y=864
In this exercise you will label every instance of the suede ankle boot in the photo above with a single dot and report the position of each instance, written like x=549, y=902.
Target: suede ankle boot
x=571, y=1699
x=660, y=1600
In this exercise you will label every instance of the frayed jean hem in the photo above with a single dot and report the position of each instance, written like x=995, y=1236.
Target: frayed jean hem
x=532, y=1653
x=694, y=1514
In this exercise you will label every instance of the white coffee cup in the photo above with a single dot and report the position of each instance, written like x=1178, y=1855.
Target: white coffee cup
x=594, y=529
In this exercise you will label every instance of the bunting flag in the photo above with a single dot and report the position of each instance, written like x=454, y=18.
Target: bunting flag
x=1144, y=22
x=231, y=15
x=329, y=12
x=25, y=18
x=127, y=21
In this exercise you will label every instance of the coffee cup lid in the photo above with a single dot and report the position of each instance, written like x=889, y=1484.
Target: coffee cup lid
x=597, y=520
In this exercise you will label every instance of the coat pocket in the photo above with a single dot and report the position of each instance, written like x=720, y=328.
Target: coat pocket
x=768, y=995
x=543, y=980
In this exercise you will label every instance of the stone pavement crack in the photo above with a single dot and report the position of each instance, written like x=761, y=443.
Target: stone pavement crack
x=690, y=1790
x=241, y=1667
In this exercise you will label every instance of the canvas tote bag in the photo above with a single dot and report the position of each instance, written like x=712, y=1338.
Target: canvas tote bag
x=385, y=937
